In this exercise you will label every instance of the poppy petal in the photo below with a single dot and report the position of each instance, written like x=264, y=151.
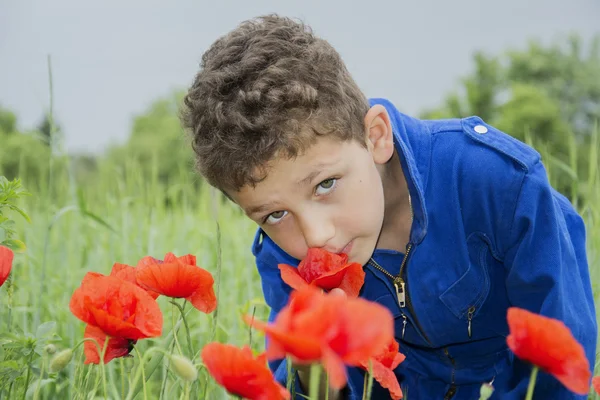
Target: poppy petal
x=318, y=262
x=549, y=344
x=6, y=260
x=387, y=379
x=118, y=307
x=334, y=366
x=188, y=259
x=240, y=373
x=331, y=280
x=204, y=299
x=596, y=384
x=127, y=273
x=116, y=347
x=147, y=260
x=353, y=281
x=303, y=349
x=291, y=276
x=173, y=279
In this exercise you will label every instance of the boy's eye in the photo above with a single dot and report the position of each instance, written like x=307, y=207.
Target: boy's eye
x=275, y=217
x=326, y=186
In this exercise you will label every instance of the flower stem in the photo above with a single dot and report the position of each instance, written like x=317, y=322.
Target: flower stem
x=174, y=330
x=315, y=375
x=102, y=365
x=532, y=380
x=368, y=382
x=28, y=374
x=143, y=372
x=122, y=363
x=187, y=328
x=140, y=371
x=39, y=384
x=290, y=376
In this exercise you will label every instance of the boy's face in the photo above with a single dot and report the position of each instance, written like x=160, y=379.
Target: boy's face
x=330, y=197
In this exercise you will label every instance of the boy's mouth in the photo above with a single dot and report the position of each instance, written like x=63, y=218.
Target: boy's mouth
x=346, y=250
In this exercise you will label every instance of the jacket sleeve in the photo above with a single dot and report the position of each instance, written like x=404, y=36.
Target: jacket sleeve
x=547, y=273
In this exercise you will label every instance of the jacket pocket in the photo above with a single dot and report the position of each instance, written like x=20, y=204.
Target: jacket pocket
x=465, y=296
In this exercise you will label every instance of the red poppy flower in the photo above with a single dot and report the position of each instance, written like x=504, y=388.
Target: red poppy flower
x=119, y=308
x=116, y=347
x=325, y=270
x=596, y=384
x=179, y=277
x=240, y=373
x=334, y=330
x=549, y=344
x=6, y=260
x=383, y=366
x=127, y=273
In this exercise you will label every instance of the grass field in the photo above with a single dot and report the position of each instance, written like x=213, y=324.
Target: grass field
x=121, y=217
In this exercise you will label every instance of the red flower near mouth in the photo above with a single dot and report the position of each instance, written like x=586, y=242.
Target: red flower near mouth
x=383, y=366
x=549, y=344
x=240, y=373
x=179, y=277
x=116, y=347
x=6, y=260
x=325, y=270
x=332, y=329
x=117, y=307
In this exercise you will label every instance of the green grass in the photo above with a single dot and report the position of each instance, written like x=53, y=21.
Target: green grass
x=122, y=216
x=125, y=219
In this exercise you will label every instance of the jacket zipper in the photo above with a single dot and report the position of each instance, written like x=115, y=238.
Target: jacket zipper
x=469, y=319
x=452, y=389
x=401, y=292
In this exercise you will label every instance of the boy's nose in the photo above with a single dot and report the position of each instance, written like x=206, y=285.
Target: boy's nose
x=317, y=233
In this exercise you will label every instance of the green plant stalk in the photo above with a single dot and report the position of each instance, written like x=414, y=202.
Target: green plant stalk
x=531, y=386
x=42, y=371
x=122, y=365
x=103, y=366
x=174, y=322
x=290, y=373
x=143, y=373
x=368, y=382
x=185, y=324
x=28, y=375
x=140, y=371
x=315, y=376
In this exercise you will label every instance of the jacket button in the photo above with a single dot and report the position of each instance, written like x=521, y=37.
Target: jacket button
x=480, y=129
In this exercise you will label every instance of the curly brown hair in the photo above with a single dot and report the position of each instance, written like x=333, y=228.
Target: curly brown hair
x=267, y=89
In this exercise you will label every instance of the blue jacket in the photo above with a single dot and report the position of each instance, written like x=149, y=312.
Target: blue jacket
x=489, y=232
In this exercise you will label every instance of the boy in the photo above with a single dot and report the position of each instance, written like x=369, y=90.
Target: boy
x=453, y=220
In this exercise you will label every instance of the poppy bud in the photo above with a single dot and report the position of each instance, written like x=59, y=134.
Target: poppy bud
x=184, y=368
x=61, y=360
x=50, y=349
x=486, y=391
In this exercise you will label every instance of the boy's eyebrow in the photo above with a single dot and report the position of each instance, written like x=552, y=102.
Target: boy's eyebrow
x=261, y=208
x=317, y=169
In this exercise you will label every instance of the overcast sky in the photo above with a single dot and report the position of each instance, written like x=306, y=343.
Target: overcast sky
x=111, y=59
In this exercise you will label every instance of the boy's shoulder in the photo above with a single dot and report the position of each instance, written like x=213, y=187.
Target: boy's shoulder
x=482, y=142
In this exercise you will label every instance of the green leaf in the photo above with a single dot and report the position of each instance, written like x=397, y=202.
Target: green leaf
x=81, y=201
x=45, y=329
x=17, y=209
x=99, y=220
x=15, y=245
x=9, y=364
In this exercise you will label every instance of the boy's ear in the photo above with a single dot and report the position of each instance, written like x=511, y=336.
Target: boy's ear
x=380, y=139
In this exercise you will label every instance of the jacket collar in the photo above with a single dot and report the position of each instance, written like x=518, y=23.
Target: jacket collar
x=412, y=140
